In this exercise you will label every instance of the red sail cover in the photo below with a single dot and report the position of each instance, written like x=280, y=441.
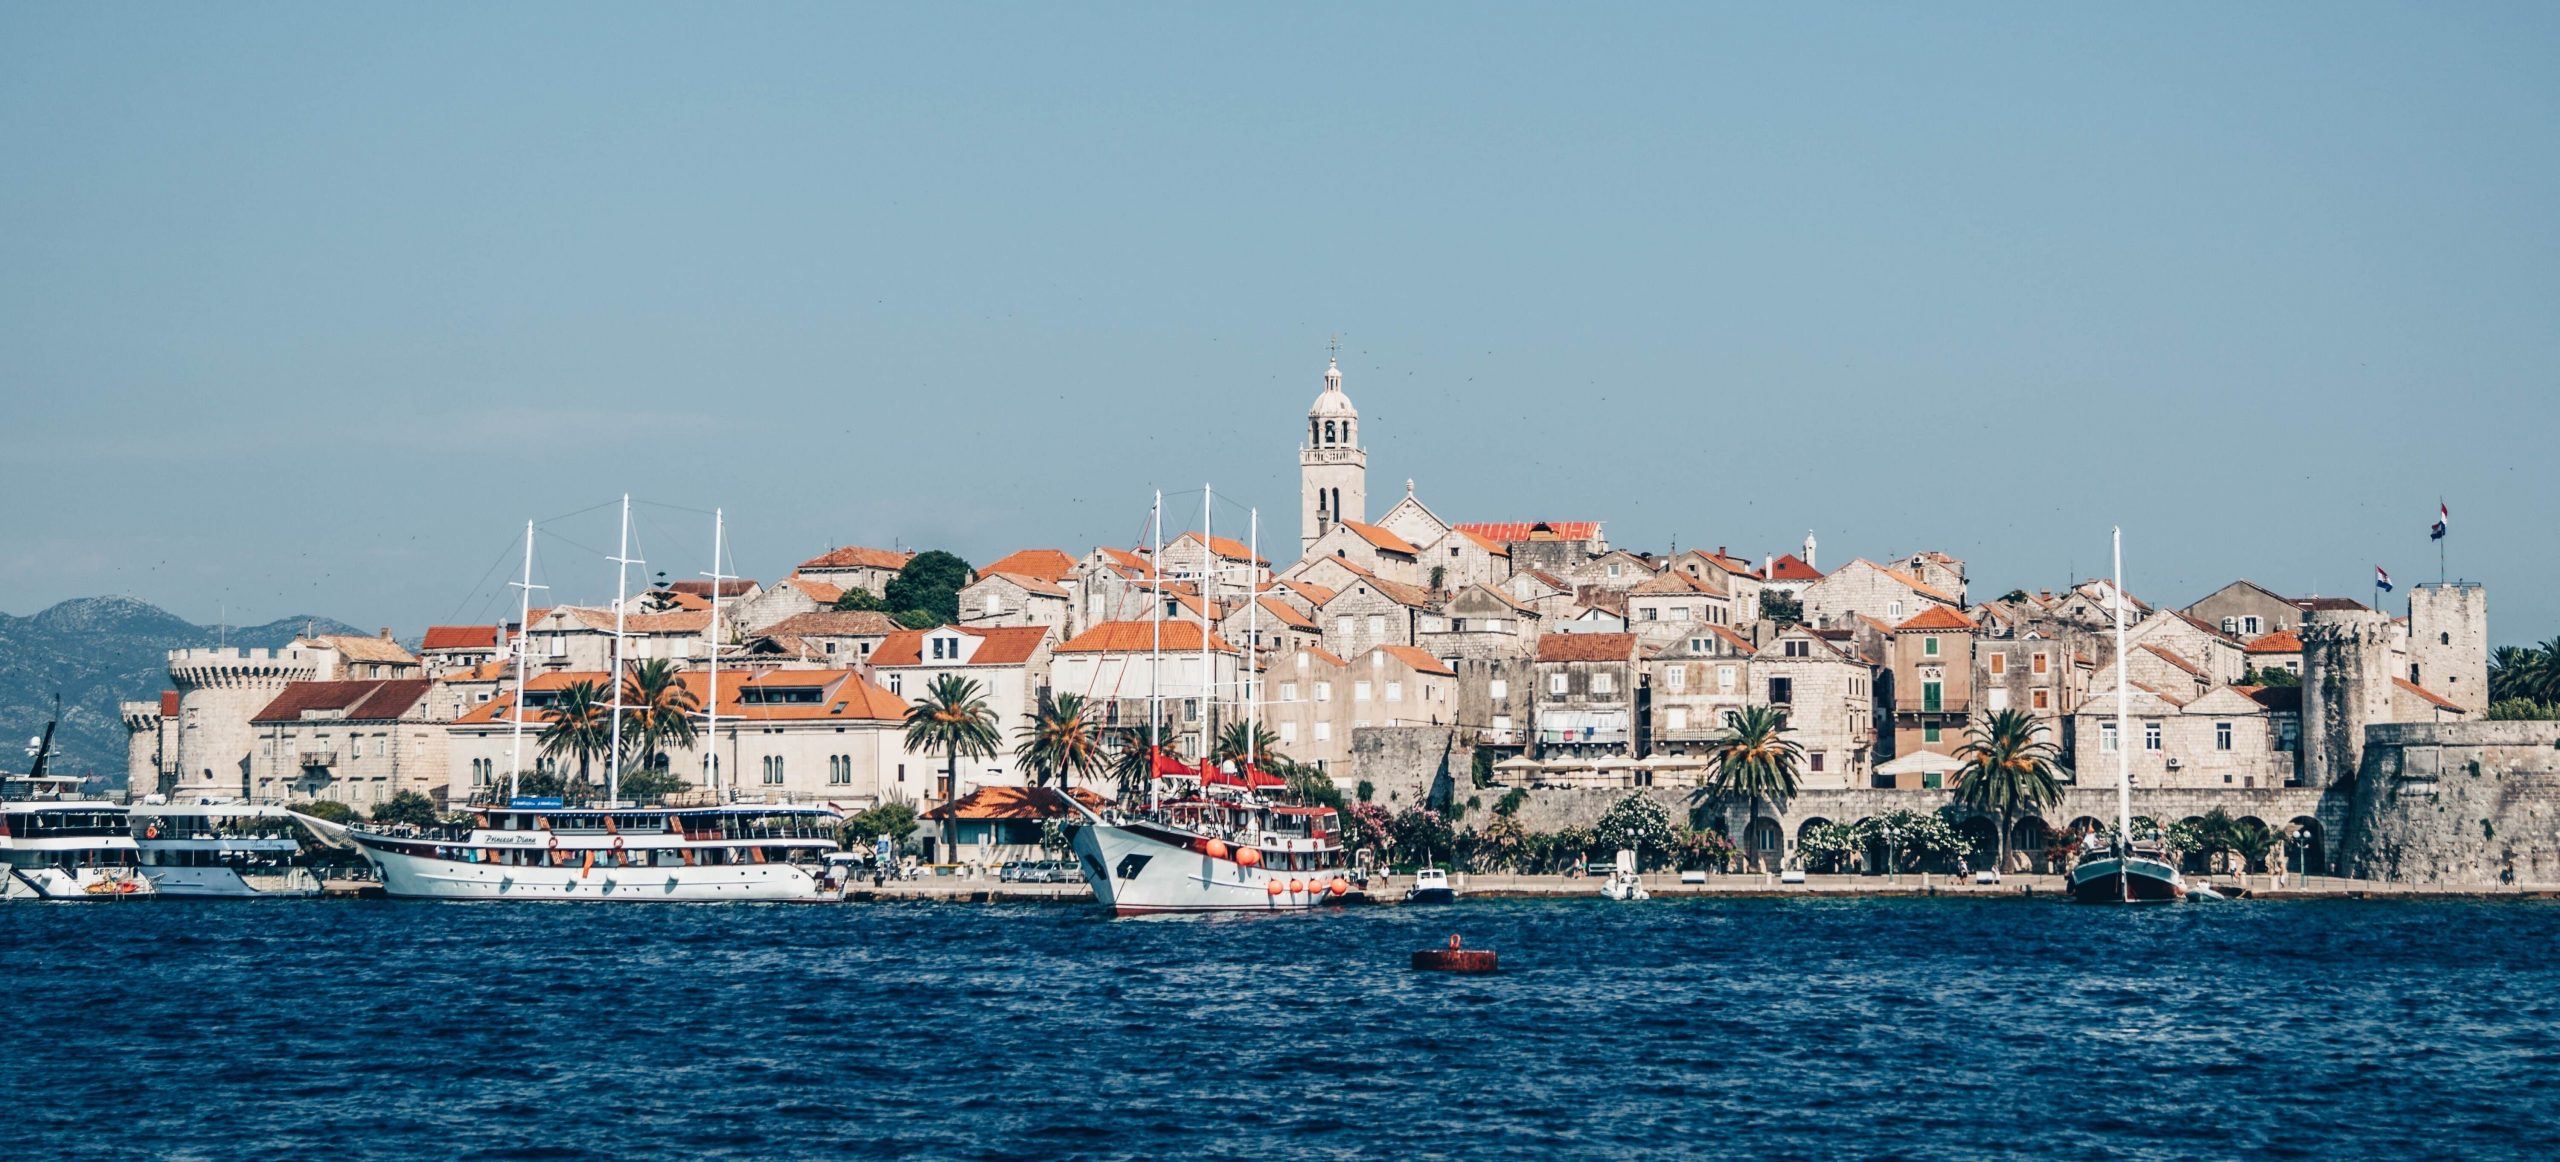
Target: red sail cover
x=1166, y=764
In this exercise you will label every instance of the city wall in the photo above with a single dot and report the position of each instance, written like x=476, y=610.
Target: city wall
x=2457, y=804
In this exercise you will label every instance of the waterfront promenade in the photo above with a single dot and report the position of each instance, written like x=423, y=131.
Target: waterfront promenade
x=1670, y=886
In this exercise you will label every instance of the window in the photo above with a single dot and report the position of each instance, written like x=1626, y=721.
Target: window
x=1555, y=684
x=1191, y=708
x=1724, y=679
x=995, y=603
x=2151, y=735
x=1604, y=682
x=2040, y=699
x=1359, y=691
x=1999, y=664
x=1797, y=648
x=1324, y=732
x=1782, y=691
x=355, y=747
x=1933, y=780
x=1929, y=647
x=1377, y=626
x=1395, y=691
x=2230, y=625
x=1931, y=733
x=1613, y=568
x=2249, y=625
x=1342, y=626
x=1933, y=696
x=1288, y=733
x=2107, y=738
x=2036, y=665
x=1497, y=689
x=1676, y=679
x=897, y=683
x=773, y=770
x=2222, y=736
x=1288, y=691
x=839, y=769
x=1324, y=691
x=559, y=645
x=1893, y=609
x=1813, y=762
x=1652, y=614
x=1676, y=719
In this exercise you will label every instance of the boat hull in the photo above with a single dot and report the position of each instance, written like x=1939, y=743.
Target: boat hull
x=90, y=883
x=222, y=883
x=427, y=878
x=2110, y=880
x=1431, y=896
x=1135, y=874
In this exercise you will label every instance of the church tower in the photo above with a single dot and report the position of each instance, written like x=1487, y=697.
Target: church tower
x=1333, y=469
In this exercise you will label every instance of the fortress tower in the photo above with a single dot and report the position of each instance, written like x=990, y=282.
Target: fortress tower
x=1333, y=469
x=2449, y=642
x=2349, y=657
x=218, y=691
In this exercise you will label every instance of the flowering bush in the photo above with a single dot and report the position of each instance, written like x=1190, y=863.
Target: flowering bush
x=1421, y=836
x=1640, y=824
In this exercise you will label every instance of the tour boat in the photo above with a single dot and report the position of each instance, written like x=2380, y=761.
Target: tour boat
x=57, y=842
x=222, y=850
x=2128, y=872
x=1431, y=886
x=1225, y=841
x=536, y=849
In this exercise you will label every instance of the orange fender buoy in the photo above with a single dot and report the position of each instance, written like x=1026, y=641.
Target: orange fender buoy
x=1341, y=886
x=1273, y=887
x=1215, y=849
x=1249, y=856
x=1297, y=887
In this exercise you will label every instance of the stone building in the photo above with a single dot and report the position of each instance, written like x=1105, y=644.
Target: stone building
x=790, y=597
x=572, y=637
x=202, y=747
x=2221, y=658
x=2357, y=667
x=1544, y=592
x=1731, y=575
x=450, y=648
x=1670, y=605
x=1864, y=587
x=1828, y=693
x=829, y=639
x=1012, y=599
x=1590, y=696
x=855, y=567
x=1697, y=682
x=1936, y=570
x=1556, y=548
x=2281, y=650
x=2221, y=738
x=1458, y=558
x=1616, y=571
x=1114, y=665
x=1316, y=700
x=1489, y=642
x=1372, y=611
x=1010, y=666
x=1372, y=548
x=1413, y=520
x=1269, y=628
x=1333, y=469
x=356, y=742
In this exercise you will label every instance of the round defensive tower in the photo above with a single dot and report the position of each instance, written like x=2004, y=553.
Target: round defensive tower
x=2349, y=657
x=219, y=690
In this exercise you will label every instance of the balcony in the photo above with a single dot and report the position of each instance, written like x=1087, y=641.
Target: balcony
x=313, y=759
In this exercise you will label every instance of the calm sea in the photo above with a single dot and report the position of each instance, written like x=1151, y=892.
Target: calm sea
x=1872, y=1028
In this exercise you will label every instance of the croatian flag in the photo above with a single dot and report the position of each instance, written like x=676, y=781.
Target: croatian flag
x=2381, y=580
x=2444, y=516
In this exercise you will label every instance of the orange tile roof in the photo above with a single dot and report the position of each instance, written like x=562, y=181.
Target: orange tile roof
x=1873, y=623
x=1287, y=616
x=1121, y=637
x=2439, y=701
x=1420, y=660
x=1508, y=531
x=819, y=591
x=1673, y=582
x=1937, y=617
x=1414, y=596
x=1586, y=647
x=1792, y=568
x=371, y=700
x=484, y=672
x=1549, y=580
x=1314, y=593
x=1488, y=544
x=1227, y=548
x=1382, y=539
x=833, y=623
x=1026, y=582
x=1917, y=585
x=857, y=557
x=460, y=637
x=997, y=646
x=2173, y=659
x=1045, y=564
x=1322, y=656
x=2283, y=641
x=1736, y=640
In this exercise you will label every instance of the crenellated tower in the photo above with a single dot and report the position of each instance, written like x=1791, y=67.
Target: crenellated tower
x=219, y=690
x=2349, y=658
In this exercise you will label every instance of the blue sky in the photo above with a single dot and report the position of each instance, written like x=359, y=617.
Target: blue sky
x=307, y=308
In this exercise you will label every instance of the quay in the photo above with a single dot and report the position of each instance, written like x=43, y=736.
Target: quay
x=1664, y=886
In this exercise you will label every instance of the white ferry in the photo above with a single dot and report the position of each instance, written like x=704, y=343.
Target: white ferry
x=222, y=850
x=537, y=849
x=61, y=844
x=1214, y=853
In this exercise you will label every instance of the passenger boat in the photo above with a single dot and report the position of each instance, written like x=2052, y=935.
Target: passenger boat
x=1225, y=841
x=537, y=849
x=61, y=844
x=1431, y=886
x=2126, y=872
x=222, y=850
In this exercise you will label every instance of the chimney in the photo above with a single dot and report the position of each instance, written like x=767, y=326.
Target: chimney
x=386, y=633
x=1768, y=565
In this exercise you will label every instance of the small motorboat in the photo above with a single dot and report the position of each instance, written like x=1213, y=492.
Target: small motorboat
x=1623, y=882
x=1431, y=886
x=1454, y=958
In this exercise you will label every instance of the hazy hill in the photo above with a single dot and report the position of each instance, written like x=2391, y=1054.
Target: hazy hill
x=96, y=652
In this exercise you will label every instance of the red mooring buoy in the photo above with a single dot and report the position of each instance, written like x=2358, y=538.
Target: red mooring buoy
x=1453, y=959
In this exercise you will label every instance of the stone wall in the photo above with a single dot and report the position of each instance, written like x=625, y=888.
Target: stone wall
x=2463, y=804
x=1405, y=765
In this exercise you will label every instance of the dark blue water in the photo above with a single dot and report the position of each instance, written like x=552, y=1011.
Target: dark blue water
x=1925, y=1029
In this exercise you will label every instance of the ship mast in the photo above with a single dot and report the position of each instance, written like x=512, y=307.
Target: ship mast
x=1155, y=652
x=711, y=701
x=622, y=564
x=1208, y=688
x=2124, y=740
x=524, y=662
x=1253, y=630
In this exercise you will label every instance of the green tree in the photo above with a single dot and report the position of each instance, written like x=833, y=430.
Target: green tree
x=1638, y=824
x=1132, y=767
x=1062, y=742
x=1502, y=845
x=860, y=600
x=1829, y=847
x=1312, y=786
x=1509, y=803
x=581, y=727
x=2270, y=676
x=327, y=809
x=953, y=718
x=652, y=785
x=1781, y=607
x=408, y=807
x=894, y=818
x=657, y=712
x=1419, y=835
x=931, y=582
x=1754, y=762
x=1234, y=737
x=2009, y=770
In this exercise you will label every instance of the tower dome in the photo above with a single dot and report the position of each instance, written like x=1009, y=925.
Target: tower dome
x=1331, y=402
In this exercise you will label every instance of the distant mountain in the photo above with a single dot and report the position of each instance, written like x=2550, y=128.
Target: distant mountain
x=96, y=652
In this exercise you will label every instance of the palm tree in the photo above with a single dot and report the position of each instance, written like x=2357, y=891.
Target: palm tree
x=1132, y=766
x=657, y=711
x=1753, y=761
x=2008, y=769
x=1233, y=742
x=954, y=719
x=581, y=725
x=1062, y=742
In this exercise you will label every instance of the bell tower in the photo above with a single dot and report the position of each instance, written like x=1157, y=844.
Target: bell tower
x=1333, y=469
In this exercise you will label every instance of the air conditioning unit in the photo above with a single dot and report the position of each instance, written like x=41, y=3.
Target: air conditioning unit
x=2173, y=764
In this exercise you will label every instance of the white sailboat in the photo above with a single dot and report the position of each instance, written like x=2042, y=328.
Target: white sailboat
x=2129, y=872
x=542, y=849
x=1226, y=841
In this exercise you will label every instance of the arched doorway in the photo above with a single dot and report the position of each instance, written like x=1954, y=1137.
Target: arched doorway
x=2193, y=862
x=1878, y=857
x=2254, y=831
x=1983, y=833
x=1819, y=863
x=1765, y=843
x=2028, y=840
x=2306, y=847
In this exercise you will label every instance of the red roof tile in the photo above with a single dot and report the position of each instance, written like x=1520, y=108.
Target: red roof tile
x=460, y=637
x=168, y=704
x=1937, y=617
x=729, y=587
x=819, y=591
x=1045, y=564
x=1488, y=544
x=2439, y=701
x=1420, y=660
x=1586, y=647
x=997, y=646
x=2283, y=641
x=1026, y=583
x=1227, y=548
x=1382, y=539
x=1121, y=637
x=1792, y=568
x=857, y=557
x=376, y=700
x=2173, y=659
